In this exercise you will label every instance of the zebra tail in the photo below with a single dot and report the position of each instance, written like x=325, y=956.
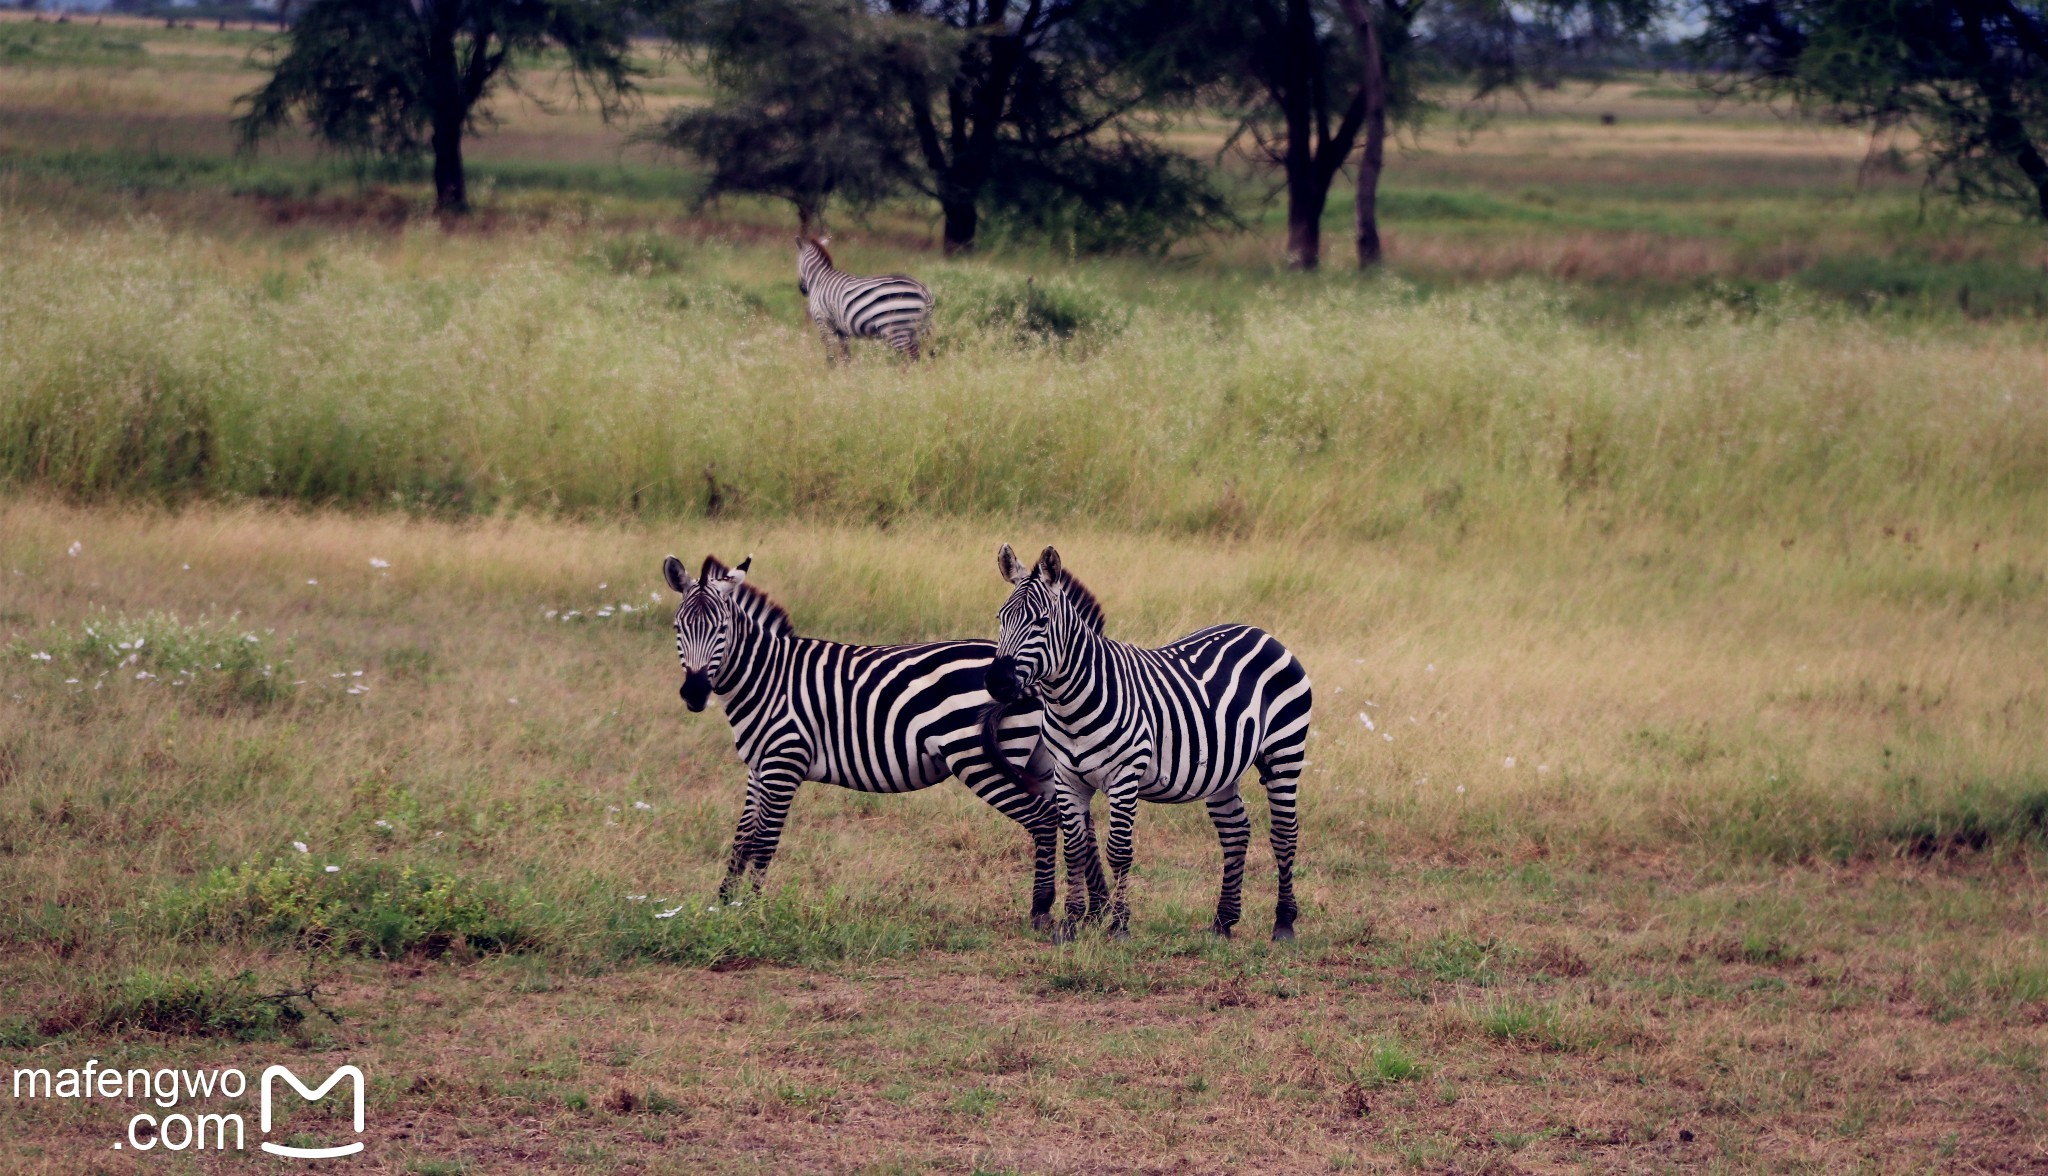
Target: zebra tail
x=992, y=745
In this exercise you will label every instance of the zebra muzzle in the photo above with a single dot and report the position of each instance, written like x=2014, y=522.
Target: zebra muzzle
x=1001, y=680
x=696, y=690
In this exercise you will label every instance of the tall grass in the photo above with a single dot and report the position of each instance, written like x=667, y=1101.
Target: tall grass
x=533, y=374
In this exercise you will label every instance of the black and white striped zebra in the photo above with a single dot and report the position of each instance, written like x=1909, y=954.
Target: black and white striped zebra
x=1170, y=725
x=891, y=307
x=893, y=718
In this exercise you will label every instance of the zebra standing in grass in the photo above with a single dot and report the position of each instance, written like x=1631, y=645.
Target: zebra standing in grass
x=1170, y=725
x=892, y=718
x=890, y=307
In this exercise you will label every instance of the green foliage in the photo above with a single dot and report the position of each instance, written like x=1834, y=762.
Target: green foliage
x=374, y=909
x=1970, y=81
x=209, y=660
x=1057, y=309
x=393, y=78
x=181, y=1005
x=1032, y=115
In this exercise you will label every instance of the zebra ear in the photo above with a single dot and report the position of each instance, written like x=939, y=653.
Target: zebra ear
x=672, y=571
x=1049, y=565
x=1007, y=566
x=738, y=575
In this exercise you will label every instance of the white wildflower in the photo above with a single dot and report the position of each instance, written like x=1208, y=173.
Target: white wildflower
x=1461, y=790
x=643, y=806
x=334, y=869
x=549, y=615
x=75, y=548
x=301, y=847
x=314, y=582
x=39, y=655
x=143, y=675
x=602, y=587
x=1508, y=762
x=513, y=701
x=379, y=563
x=71, y=681
x=1387, y=735
x=636, y=898
x=1430, y=668
x=670, y=913
x=383, y=824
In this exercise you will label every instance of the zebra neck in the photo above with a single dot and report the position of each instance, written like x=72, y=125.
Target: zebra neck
x=753, y=671
x=1086, y=661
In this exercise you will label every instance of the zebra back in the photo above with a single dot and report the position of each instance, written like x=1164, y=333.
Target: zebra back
x=889, y=306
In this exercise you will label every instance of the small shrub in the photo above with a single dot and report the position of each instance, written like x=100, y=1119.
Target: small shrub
x=181, y=1005
x=377, y=910
x=1027, y=312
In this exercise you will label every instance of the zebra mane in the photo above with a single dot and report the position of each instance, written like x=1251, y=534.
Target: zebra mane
x=1084, y=601
x=756, y=604
x=819, y=245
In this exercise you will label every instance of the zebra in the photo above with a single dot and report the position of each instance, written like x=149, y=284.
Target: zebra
x=891, y=307
x=894, y=718
x=1170, y=725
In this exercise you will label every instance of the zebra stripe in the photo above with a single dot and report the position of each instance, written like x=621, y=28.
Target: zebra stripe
x=1169, y=725
x=890, y=307
x=883, y=719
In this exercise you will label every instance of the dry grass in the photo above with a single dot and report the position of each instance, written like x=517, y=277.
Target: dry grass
x=1633, y=948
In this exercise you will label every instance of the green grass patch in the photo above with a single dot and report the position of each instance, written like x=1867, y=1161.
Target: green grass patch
x=375, y=909
x=180, y=1005
x=210, y=660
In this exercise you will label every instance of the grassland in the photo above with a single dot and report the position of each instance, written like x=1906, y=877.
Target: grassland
x=1669, y=509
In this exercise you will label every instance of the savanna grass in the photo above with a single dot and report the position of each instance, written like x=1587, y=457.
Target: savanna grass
x=137, y=363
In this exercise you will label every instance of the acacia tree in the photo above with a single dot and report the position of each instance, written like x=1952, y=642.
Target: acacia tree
x=1312, y=80
x=1030, y=108
x=1969, y=76
x=395, y=77
x=804, y=109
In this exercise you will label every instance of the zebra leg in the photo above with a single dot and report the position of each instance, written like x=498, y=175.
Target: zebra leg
x=1123, y=818
x=1280, y=780
x=778, y=791
x=833, y=343
x=1084, y=864
x=1234, y=831
x=742, y=843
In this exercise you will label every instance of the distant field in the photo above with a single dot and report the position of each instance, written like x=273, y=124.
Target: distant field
x=1666, y=534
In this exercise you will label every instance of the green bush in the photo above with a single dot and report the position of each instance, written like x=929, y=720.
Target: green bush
x=372, y=909
x=180, y=1005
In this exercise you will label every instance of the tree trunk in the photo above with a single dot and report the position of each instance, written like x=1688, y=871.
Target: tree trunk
x=451, y=185
x=1366, y=214
x=961, y=218
x=1305, y=200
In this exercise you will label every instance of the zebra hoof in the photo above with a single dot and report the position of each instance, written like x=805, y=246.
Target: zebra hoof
x=1041, y=921
x=1065, y=933
x=1219, y=932
x=1283, y=934
x=1120, y=934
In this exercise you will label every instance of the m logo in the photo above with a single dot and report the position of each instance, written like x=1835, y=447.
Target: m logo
x=311, y=1153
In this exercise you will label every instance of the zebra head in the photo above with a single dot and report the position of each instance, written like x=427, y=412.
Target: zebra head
x=704, y=622
x=811, y=260
x=1035, y=625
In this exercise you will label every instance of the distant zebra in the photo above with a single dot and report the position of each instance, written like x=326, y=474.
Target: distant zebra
x=1171, y=725
x=890, y=307
x=891, y=718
